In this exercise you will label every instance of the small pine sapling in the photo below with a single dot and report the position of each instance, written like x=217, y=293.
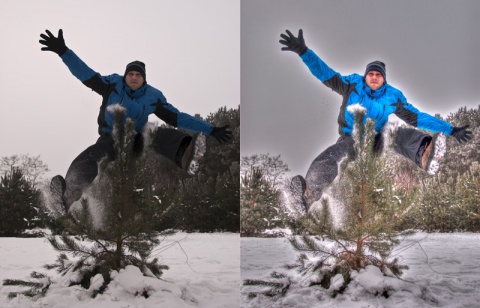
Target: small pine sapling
x=114, y=225
x=366, y=234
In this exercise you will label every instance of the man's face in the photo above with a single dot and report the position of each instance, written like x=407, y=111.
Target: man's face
x=134, y=80
x=374, y=80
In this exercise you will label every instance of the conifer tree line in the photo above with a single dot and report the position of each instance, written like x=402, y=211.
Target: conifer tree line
x=450, y=201
x=210, y=200
x=206, y=202
x=446, y=202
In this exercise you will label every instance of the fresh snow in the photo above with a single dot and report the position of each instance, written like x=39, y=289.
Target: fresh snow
x=116, y=108
x=444, y=271
x=204, y=272
x=356, y=108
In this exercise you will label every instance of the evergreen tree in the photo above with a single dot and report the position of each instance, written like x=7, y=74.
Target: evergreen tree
x=434, y=212
x=262, y=180
x=459, y=156
x=197, y=198
x=371, y=205
x=221, y=165
x=372, y=208
x=227, y=206
x=19, y=204
x=259, y=204
x=208, y=201
x=447, y=201
x=468, y=199
x=124, y=196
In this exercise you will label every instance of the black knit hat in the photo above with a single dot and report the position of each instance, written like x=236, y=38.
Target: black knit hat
x=136, y=66
x=376, y=66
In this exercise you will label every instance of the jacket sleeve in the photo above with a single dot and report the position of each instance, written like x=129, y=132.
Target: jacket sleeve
x=174, y=117
x=325, y=74
x=90, y=78
x=414, y=117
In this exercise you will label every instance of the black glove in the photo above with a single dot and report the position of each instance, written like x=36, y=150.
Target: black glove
x=292, y=43
x=55, y=44
x=461, y=133
x=222, y=134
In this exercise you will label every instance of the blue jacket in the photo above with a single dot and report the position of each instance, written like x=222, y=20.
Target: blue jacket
x=139, y=104
x=379, y=104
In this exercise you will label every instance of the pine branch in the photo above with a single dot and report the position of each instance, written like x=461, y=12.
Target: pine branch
x=275, y=289
x=35, y=288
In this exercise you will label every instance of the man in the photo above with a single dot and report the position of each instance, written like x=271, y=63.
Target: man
x=380, y=100
x=139, y=100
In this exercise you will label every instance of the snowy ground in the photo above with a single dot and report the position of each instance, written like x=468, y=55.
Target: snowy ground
x=204, y=272
x=444, y=272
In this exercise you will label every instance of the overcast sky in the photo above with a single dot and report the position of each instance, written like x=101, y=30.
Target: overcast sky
x=191, y=50
x=431, y=49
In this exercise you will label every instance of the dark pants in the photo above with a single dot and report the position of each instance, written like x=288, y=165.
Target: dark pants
x=83, y=170
x=408, y=142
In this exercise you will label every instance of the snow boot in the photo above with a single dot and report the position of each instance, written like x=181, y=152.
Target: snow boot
x=297, y=188
x=433, y=153
x=57, y=189
x=193, y=153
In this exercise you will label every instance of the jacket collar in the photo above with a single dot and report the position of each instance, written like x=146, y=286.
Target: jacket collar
x=137, y=93
x=375, y=93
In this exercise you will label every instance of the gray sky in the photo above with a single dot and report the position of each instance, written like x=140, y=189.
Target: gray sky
x=191, y=49
x=431, y=49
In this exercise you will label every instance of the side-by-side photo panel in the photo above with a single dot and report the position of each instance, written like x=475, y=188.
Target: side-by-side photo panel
x=120, y=154
x=359, y=153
